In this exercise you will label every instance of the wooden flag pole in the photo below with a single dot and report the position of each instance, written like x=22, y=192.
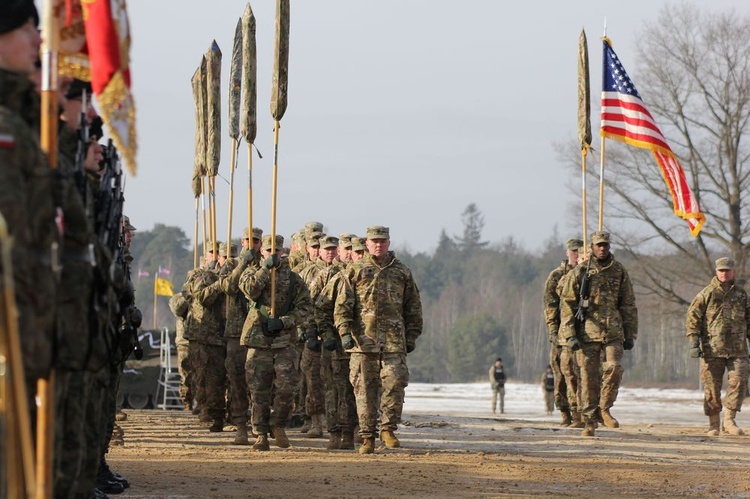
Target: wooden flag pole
x=250, y=194
x=584, y=154
x=205, y=221
x=231, y=198
x=601, y=188
x=274, y=190
x=153, y=325
x=195, y=235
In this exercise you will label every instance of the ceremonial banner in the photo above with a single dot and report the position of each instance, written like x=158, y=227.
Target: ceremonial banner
x=162, y=287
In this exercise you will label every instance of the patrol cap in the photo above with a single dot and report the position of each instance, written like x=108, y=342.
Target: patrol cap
x=126, y=224
x=600, y=237
x=15, y=13
x=573, y=244
x=313, y=227
x=257, y=233
x=358, y=244
x=267, y=242
x=345, y=239
x=313, y=238
x=299, y=238
x=210, y=246
x=76, y=88
x=378, y=232
x=327, y=242
x=223, y=249
x=725, y=263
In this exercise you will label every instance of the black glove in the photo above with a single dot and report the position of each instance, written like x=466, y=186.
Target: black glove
x=313, y=343
x=347, y=342
x=695, y=347
x=248, y=256
x=329, y=345
x=628, y=344
x=573, y=343
x=301, y=338
x=274, y=326
x=272, y=262
x=410, y=346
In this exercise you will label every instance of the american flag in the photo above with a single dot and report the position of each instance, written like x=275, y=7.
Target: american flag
x=626, y=118
x=164, y=270
x=142, y=273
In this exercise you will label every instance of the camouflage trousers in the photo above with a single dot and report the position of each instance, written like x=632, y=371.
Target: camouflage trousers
x=560, y=393
x=271, y=371
x=310, y=367
x=601, y=374
x=341, y=408
x=194, y=363
x=369, y=373
x=186, y=375
x=300, y=389
x=549, y=401
x=235, y=368
x=572, y=374
x=71, y=401
x=95, y=434
x=498, y=395
x=110, y=401
x=211, y=377
x=712, y=373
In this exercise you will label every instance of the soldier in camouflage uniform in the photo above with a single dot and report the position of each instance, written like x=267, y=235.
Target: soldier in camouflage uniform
x=610, y=325
x=179, y=306
x=297, y=252
x=359, y=248
x=565, y=396
x=272, y=362
x=379, y=318
x=345, y=248
x=236, y=311
x=718, y=327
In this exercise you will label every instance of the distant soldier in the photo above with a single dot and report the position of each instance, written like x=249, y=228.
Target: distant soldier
x=610, y=326
x=548, y=389
x=718, y=327
x=379, y=319
x=297, y=248
x=565, y=397
x=271, y=360
x=497, y=382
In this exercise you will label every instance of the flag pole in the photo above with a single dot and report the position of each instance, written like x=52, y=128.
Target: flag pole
x=273, y=211
x=154, y=320
x=195, y=235
x=601, y=163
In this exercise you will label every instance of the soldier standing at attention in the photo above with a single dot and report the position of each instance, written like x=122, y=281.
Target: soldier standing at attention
x=497, y=382
x=718, y=327
x=610, y=326
x=565, y=396
x=548, y=389
x=379, y=319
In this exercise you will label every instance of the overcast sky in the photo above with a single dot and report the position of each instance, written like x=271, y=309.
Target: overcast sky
x=401, y=112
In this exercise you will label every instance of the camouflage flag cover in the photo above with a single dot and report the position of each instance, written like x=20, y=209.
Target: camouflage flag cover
x=249, y=122
x=199, y=164
x=213, y=109
x=235, y=83
x=280, y=61
x=584, y=98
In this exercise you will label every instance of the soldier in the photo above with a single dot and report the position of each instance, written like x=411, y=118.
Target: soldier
x=359, y=248
x=297, y=249
x=272, y=362
x=497, y=382
x=379, y=319
x=718, y=327
x=548, y=389
x=179, y=306
x=345, y=248
x=609, y=326
x=566, y=398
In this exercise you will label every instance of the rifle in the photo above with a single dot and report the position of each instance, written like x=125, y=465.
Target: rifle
x=79, y=175
x=583, y=300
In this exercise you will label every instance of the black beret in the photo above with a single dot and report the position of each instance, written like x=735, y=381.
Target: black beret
x=15, y=13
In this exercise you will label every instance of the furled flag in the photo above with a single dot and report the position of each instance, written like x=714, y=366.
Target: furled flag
x=625, y=118
x=163, y=287
x=164, y=271
x=142, y=273
x=102, y=57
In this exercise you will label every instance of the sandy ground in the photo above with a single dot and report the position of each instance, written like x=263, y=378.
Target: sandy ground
x=169, y=454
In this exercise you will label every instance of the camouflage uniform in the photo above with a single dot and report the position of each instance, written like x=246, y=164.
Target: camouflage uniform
x=179, y=306
x=381, y=309
x=719, y=320
x=611, y=318
x=552, y=318
x=569, y=364
x=272, y=363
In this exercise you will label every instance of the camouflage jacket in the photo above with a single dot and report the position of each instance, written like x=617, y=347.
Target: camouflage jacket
x=292, y=305
x=205, y=320
x=379, y=306
x=721, y=319
x=236, y=302
x=297, y=258
x=316, y=275
x=179, y=306
x=552, y=300
x=324, y=308
x=612, y=314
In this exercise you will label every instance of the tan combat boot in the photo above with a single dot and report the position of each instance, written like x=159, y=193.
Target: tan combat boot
x=714, y=425
x=334, y=440
x=729, y=425
x=306, y=425
x=368, y=445
x=279, y=434
x=240, y=437
x=347, y=440
x=567, y=418
x=316, y=428
x=576, y=420
x=608, y=420
x=390, y=440
x=589, y=429
x=261, y=443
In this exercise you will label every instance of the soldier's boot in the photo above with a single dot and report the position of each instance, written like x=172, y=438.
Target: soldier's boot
x=608, y=420
x=279, y=434
x=316, y=428
x=714, y=425
x=567, y=417
x=368, y=445
x=729, y=424
x=589, y=429
x=347, y=440
x=217, y=426
x=240, y=437
x=105, y=474
x=306, y=425
x=261, y=443
x=576, y=420
x=334, y=440
x=389, y=439
x=357, y=437
x=121, y=416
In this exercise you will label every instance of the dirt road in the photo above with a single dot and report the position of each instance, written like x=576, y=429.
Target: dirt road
x=168, y=454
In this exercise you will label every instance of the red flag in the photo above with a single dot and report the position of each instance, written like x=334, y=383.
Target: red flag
x=626, y=118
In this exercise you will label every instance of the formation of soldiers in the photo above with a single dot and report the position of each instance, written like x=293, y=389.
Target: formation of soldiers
x=319, y=336
x=71, y=261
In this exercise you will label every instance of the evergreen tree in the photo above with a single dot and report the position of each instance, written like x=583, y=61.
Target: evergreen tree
x=473, y=224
